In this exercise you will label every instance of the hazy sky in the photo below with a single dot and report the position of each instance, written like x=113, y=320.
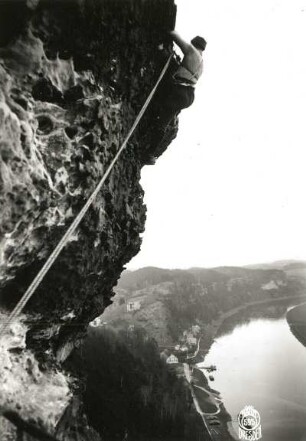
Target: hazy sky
x=231, y=189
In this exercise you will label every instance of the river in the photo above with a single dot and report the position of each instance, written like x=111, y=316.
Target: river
x=260, y=363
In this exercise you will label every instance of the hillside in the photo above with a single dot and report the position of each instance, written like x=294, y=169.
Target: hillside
x=169, y=302
x=296, y=318
x=285, y=265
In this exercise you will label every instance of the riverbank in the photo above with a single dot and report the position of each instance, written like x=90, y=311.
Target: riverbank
x=209, y=405
x=215, y=325
x=296, y=318
x=213, y=411
x=260, y=362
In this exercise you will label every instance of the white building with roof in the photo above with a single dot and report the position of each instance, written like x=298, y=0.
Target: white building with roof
x=172, y=359
x=133, y=305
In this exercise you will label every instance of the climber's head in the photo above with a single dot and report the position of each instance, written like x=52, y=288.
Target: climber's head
x=199, y=43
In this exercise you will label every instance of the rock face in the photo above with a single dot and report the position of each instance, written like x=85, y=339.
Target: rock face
x=73, y=76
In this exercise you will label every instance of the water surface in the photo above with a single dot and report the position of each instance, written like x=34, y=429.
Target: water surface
x=261, y=363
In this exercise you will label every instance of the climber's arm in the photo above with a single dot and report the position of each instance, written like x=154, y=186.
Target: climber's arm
x=182, y=44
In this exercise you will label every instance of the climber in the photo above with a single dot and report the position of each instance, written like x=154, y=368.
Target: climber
x=177, y=91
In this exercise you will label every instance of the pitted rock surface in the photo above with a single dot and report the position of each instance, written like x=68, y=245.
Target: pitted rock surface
x=73, y=76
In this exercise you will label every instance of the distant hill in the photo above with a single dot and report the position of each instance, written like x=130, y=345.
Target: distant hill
x=131, y=280
x=294, y=269
x=168, y=302
x=284, y=265
x=148, y=276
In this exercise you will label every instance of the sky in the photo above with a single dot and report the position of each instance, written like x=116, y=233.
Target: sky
x=230, y=190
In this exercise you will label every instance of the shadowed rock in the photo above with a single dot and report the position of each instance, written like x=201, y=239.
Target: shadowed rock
x=73, y=76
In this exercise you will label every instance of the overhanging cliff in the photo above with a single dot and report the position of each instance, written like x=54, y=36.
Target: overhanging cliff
x=73, y=76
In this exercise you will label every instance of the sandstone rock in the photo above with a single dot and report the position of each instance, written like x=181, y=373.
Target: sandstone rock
x=73, y=76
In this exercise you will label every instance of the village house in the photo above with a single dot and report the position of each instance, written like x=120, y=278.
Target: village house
x=191, y=340
x=172, y=359
x=196, y=329
x=133, y=305
x=97, y=322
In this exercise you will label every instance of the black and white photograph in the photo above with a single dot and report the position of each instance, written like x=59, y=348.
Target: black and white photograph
x=152, y=220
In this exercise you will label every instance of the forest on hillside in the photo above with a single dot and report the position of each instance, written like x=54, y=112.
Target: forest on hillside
x=130, y=393
x=198, y=296
x=194, y=303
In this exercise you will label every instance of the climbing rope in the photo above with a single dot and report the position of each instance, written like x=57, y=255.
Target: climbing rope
x=40, y=276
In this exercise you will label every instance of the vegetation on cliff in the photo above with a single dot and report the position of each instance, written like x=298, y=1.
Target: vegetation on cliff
x=130, y=392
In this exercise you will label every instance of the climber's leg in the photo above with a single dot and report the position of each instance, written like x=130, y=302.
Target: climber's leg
x=178, y=98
